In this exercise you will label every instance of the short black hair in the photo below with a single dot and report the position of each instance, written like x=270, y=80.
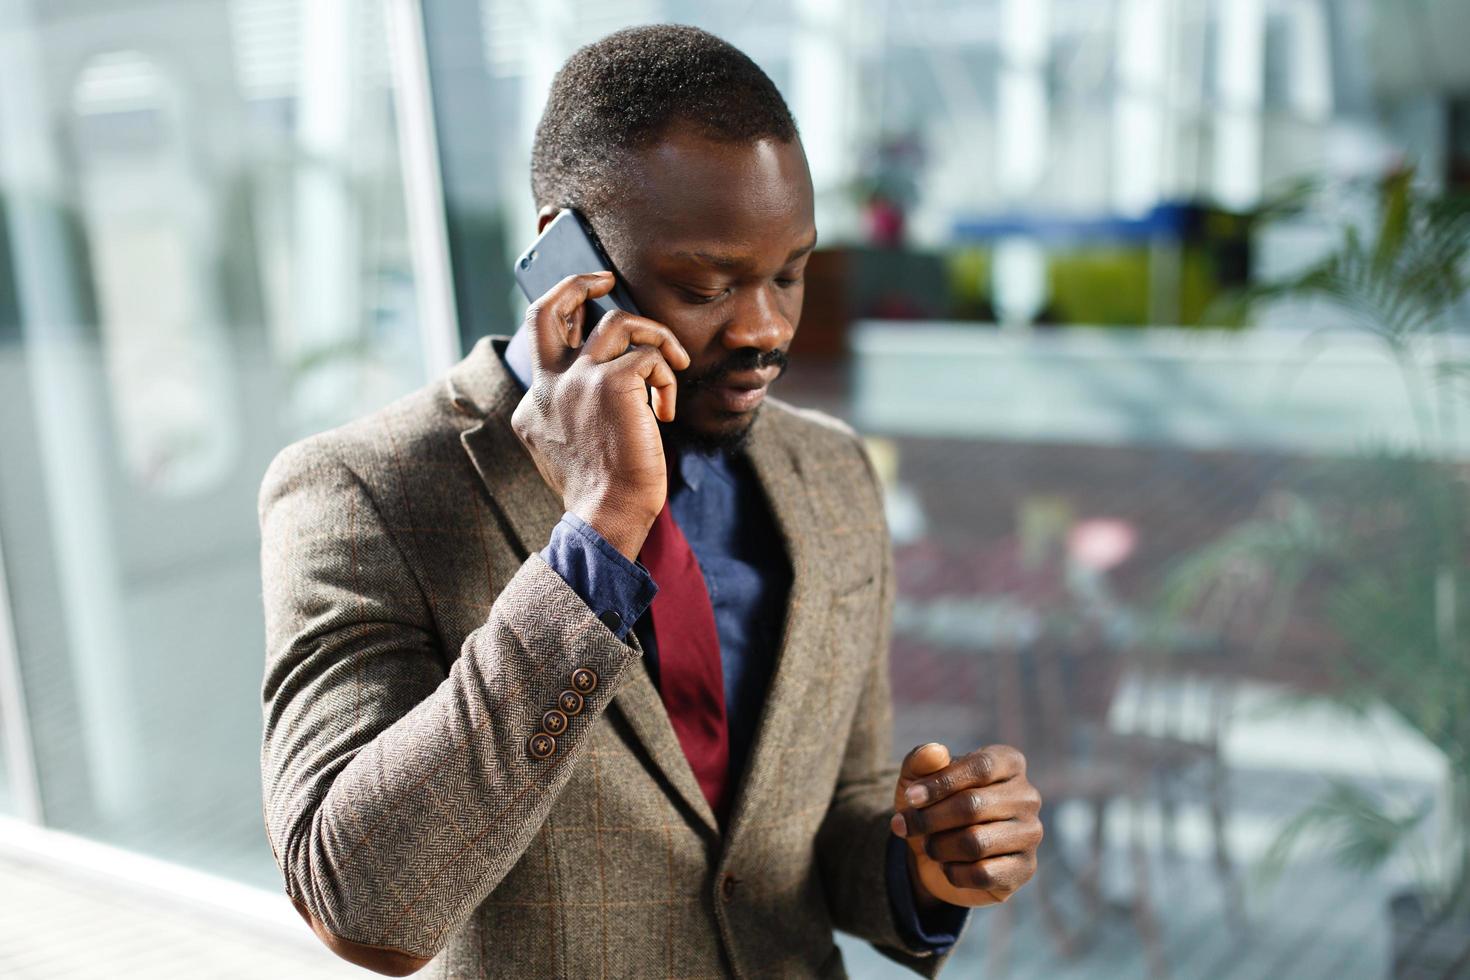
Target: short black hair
x=624, y=92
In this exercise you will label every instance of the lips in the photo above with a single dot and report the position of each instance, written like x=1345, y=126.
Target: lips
x=742, y=391
x=747, y=380
x=734, y=399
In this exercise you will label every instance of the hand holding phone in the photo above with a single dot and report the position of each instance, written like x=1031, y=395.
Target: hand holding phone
x=587, y=420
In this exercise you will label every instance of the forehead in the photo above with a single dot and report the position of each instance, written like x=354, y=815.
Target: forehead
x=689, y=193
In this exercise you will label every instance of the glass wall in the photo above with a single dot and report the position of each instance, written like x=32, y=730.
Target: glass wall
x=1152, y=312
x=1133, y=517
x=15, y=767
x=205, y=257
x=7, y=795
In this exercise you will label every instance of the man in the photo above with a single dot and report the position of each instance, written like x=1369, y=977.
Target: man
x=577, y=659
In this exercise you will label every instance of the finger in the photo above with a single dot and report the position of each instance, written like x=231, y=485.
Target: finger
x=663, y=389
x=986, y=840
x=992, y=764
x=648, y=365
x=1000, y=876
x=967, y=808
x=555, y=320
x=619, y=330
x=921, y=760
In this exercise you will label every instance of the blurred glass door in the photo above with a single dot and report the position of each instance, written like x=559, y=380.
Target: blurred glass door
x=209, y=257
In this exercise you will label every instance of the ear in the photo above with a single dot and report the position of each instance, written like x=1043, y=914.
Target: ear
x=544, y=216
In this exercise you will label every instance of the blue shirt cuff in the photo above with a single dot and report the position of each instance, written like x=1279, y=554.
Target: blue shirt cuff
x=617, y=590
x=935, y=931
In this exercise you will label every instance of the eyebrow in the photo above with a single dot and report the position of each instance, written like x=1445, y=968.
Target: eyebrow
x=736, y=262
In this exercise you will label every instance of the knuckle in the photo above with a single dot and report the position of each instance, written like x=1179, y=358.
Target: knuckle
x=528, y=413
x=976, y=840
x=972, y=804
x=638, y=355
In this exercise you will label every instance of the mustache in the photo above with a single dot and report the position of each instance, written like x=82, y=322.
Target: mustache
x=745, y=359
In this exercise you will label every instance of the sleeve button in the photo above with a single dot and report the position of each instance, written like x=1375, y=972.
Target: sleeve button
x=554, y=722
x=584, y=680
x=570, y=702
x=541, y=746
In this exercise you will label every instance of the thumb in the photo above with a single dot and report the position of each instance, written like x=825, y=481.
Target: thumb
x=923, y=760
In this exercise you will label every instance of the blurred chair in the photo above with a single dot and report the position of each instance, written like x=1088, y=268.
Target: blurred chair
x=1059, y=688
x=1159, y=742
x=1045, y=676
x=1181, y=700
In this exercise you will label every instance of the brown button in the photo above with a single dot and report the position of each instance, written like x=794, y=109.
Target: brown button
x=541, y=746
x=554, y=721
x=727, y=887
x=570, y=702
x=584, y=680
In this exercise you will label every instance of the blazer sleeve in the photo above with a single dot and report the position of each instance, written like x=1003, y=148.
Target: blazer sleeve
x=399, y=789
x=852, y=842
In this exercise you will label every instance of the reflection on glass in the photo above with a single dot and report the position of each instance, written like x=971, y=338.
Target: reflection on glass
x=207, y=243
x=7, y=796
x=145, y=209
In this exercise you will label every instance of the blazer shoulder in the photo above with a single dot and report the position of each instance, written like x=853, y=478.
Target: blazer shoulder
x=811, y=427
x=820, y=437
x=413, y=428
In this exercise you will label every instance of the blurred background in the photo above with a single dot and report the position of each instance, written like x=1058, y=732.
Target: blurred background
x=1152, y=311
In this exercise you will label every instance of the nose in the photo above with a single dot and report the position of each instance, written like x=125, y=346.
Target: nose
x=759, y=321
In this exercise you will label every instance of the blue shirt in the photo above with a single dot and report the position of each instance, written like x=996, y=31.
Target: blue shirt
x=719, y=505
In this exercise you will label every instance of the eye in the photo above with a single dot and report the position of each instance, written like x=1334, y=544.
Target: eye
x=786, y=282
x=698, y=298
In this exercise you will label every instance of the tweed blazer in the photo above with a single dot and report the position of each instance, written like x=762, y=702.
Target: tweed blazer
x=414, y=640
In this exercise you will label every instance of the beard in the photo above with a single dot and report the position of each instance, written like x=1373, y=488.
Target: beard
x=730, y=439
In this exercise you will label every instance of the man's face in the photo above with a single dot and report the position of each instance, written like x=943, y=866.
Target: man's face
x=713, y=239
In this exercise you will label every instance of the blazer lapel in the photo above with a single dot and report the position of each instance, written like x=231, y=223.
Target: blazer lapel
x=639, y=705
x=483, y=391
x=779, y=472
x=482, y=388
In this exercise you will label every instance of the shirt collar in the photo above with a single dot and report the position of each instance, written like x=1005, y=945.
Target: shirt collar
x=697, y=468
x=518, y=358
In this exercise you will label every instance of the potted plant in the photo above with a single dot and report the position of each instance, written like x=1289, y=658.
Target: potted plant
x=1376, y=548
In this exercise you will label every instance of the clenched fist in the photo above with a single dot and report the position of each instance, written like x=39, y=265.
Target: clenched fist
x=588, y=419
x=971, y=824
